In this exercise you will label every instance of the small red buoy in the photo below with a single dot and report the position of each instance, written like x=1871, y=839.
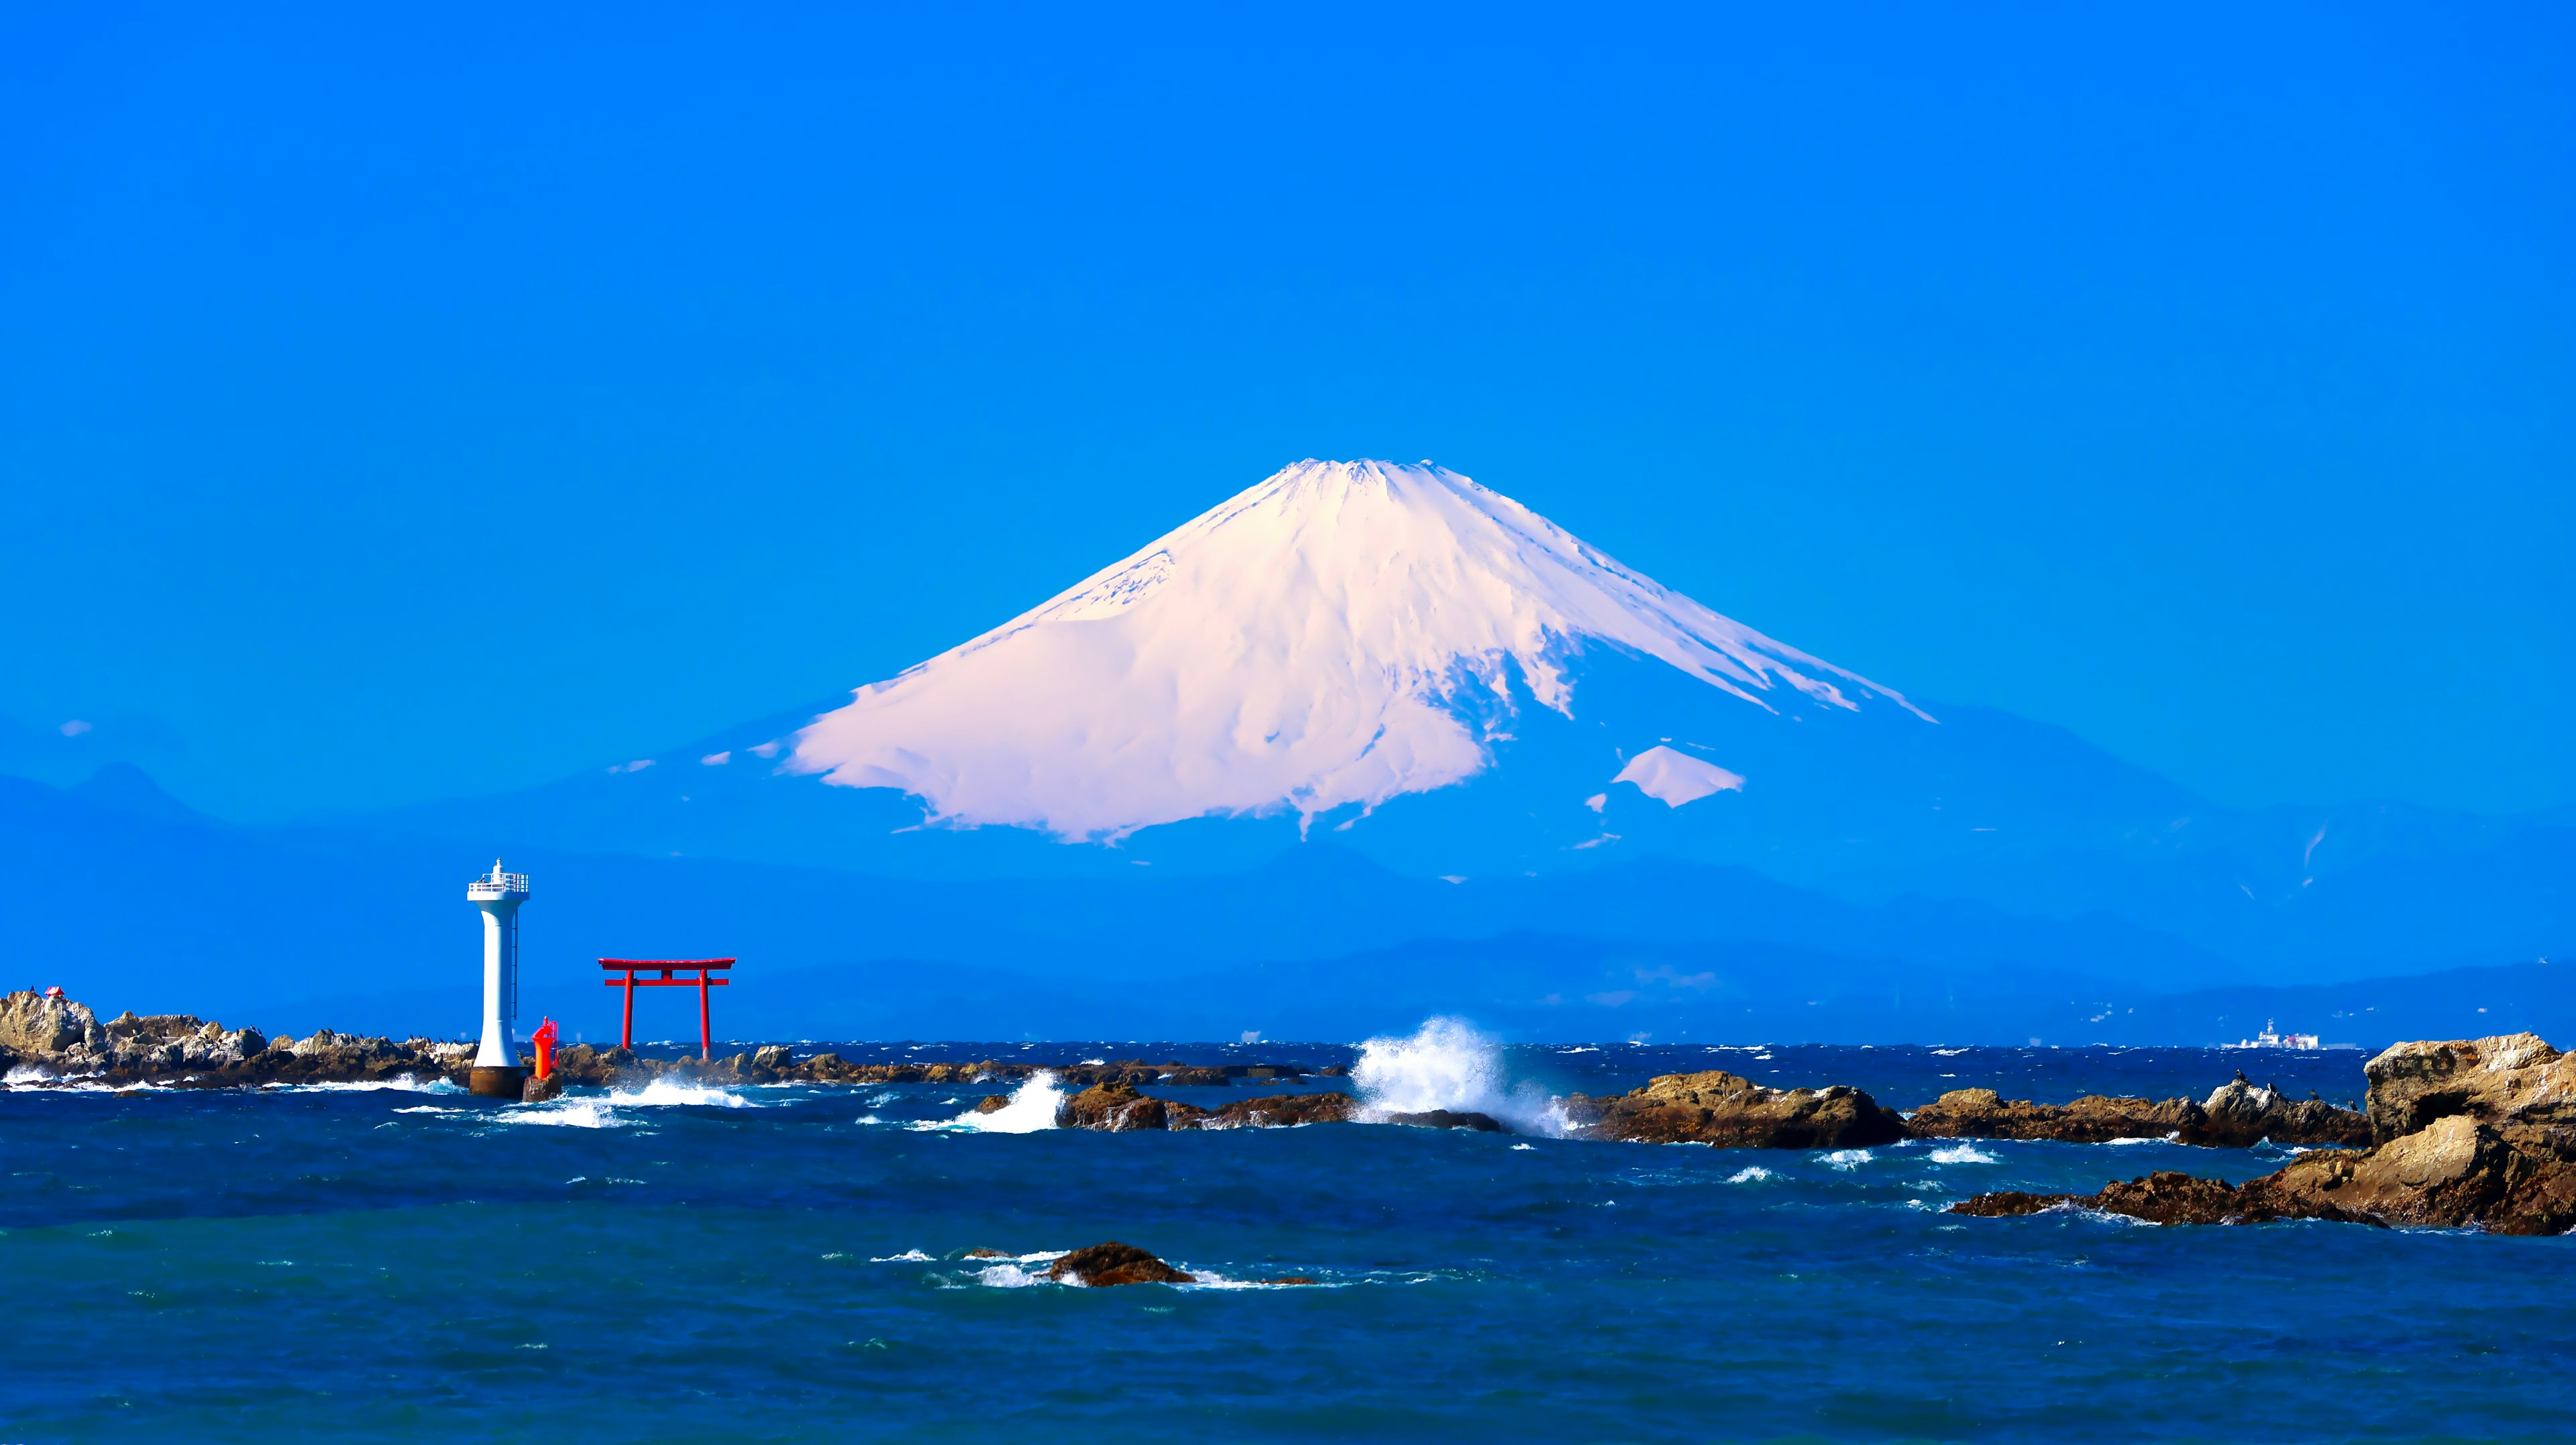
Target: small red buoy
x=544, y=1039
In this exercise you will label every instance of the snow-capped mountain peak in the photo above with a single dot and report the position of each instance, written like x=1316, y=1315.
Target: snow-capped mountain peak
x=1325, y=638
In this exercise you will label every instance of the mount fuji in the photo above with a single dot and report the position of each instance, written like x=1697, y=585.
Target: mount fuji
x=1399, y=663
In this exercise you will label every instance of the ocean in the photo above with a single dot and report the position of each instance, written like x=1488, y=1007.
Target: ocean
x=785, y=1263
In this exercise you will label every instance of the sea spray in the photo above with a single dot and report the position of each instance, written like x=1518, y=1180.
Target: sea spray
x=1033, y=1106
x=1447, y=1064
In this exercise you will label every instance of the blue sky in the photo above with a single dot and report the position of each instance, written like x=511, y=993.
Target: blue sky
x=444, y=400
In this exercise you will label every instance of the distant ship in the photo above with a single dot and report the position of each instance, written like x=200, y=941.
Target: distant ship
x=2270, y=1040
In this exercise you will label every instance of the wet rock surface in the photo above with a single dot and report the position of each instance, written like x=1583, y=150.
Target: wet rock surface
x=1732, y=1112
x=1114, y=1263
x=2499, y=1161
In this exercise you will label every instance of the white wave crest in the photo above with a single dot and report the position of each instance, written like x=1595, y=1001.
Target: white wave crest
x=1962, y=1154
x=1011, y=1276
x=1848, y=1159
x=1447, y=1064
x=2159, y=1139
x=408, y=1083
x=1032, y=1108
x=664, y=1092
x=1749, y=1174
x=909, y=1256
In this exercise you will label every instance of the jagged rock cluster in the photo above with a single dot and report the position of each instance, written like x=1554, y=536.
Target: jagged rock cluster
x=1722, y=1109
x=2237, y=1115
x=2472, y=1132
x=56, y=1039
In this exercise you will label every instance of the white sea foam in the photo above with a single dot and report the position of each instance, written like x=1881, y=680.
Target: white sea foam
x=2160, y=1139
x=1010, y=1276
x=665, y=1091
x=407, y=1083
x=1848, y=1159
x=427, y=1109
x=1962, y=1154
x=912, y=1256
x=1032, y=1108
x=569, y=1113
x=1749, y=1174
x=1447, y=1064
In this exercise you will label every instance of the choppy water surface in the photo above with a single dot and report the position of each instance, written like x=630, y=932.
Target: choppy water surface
x=782, y=1263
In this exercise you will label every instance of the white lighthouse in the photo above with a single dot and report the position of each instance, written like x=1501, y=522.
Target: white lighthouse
x=497, y=1071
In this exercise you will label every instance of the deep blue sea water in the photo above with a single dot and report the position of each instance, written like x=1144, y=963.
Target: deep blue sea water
x=781, y=1264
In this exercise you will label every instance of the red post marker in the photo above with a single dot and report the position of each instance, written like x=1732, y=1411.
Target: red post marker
x=544, y=1039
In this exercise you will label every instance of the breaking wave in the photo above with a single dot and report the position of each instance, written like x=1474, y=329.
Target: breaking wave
x=1032, y=1108
x=1447, y=1064
x=1961, y=1154
x=664, y=1091
x=567, y=1113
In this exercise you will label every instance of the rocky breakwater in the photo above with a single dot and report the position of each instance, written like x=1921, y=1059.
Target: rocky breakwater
x=50, y=1041
x=2488, y=1142
x=1732, y=1112
x=2236, y=1115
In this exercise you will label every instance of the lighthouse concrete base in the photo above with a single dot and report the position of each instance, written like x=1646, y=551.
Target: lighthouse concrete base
x=497, y=1083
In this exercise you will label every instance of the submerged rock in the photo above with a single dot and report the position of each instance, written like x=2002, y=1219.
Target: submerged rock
x=1447, y=1119
x=1115, y=1263
x=2510, y=1079
x=1732, y=1112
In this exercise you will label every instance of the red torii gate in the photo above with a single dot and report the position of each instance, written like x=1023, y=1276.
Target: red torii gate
x=705, y=969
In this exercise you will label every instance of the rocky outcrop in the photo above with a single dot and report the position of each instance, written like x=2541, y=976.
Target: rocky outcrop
x=57, y=1040
x=1731, y=1112
x=2238, y=1115
x=1115, y=1263
x=1445, y=1119
x=1280, y=1111
x=2512, y=1079
x=2454, y=1173
x=34, y=1026
x=1119, y=1108
x=2490, y=1148
x=2093, y=1119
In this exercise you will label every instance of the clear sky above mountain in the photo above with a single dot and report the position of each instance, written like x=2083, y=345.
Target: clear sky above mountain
x=395, y=408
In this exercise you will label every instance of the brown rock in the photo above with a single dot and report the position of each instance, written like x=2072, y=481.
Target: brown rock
x=2093, y=1119
x=1291, y=1279
x=2512, y=1079
x=992, y=1103
x=1731, y=1112
x=1115, y=1263
x=1282, y=1110
x=1117, y=1108
x=2455, y=1173
x=2240, y=1115
x=989, y=1254
x=34, y=1026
